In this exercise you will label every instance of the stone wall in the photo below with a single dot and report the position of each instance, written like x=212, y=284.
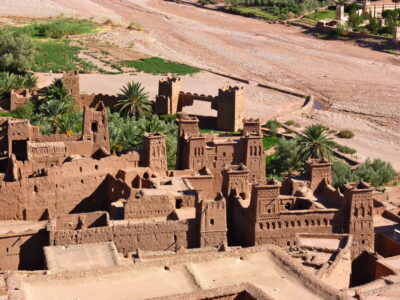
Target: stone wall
x=19, y=98
x=91, y=100
x=128, y=237
x=283, y=230
x=76, y=186
x=23, y=250
x=148, y=207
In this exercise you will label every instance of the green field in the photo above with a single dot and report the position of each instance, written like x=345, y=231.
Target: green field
x=252, y=11
x=58, y=56
x=157, y=65
x=55, y=28
x=321, y=15
x=270, y=142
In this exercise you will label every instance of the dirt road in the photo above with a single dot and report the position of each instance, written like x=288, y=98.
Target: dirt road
x=362, y=84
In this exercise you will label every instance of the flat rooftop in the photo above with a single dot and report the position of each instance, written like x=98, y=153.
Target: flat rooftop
x=10, y=227
x=147, y=281
x=392, y=263
x=81, y=257
x=329, y=243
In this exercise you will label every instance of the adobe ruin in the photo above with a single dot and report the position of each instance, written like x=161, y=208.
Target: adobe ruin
x=229, y=104
x=64, y=196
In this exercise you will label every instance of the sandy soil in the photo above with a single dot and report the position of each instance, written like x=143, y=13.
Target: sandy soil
x=156, y=281
x=361, y=84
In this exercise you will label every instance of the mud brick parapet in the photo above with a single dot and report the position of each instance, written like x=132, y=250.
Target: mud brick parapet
x=229, y=104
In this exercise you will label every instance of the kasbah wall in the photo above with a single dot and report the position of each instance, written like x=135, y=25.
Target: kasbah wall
x=229, y=103
x=219, y=181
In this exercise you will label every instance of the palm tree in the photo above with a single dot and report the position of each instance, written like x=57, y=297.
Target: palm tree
x=69, y=123
x=30, y=82
x=7, y=81
x=133, y=100
x=52, y=110
x=60, y=93
x=315, y=143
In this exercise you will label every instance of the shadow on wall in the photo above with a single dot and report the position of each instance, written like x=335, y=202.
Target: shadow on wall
x=97, y=201
x=31, y=252
x=207, y=122
x=363, y=269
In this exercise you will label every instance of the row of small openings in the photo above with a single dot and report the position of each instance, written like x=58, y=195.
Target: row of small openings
x=96, y=167
x=253, y=150
x=286, y=224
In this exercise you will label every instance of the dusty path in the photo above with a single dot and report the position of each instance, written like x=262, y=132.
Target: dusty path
x=361, y=83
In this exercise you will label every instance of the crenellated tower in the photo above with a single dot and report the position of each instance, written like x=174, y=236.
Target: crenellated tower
x=167, y=100
x=255, y=157
x=358, y=197
x=236, y=178
x=251, y=126
x=319, y=170
x=186, y=126
x=212, y=218
x=231, y=102
x=155, y=151
x=264, y=207
x=95, y=126
x=71, y=83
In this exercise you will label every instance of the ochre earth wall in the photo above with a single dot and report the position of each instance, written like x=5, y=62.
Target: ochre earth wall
x=76, y=186
x=151, y=236
x=23, y=251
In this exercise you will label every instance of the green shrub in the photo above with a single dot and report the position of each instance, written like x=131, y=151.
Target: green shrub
x=292, y=123
x=16, y=52
x=376, y=172
x=24, y=111
x=273, y=126
x=344, y=149
x=287, y=158
x=339, y=32
x=341, y=173
x=345, y=134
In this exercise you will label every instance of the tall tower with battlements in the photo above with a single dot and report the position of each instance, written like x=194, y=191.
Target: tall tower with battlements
x=167, y=100
x=95, y=126
x=231, y=108
x=186, y=126
x=71, y=83
x=319, y=170
x=358, y=197
x=212, y=226
x=155, y=151
x=255, y=157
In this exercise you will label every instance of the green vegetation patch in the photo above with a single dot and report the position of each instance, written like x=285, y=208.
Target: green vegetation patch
x=343, y=149
x=157, y=65
x=274, y=9
x=270, y=142
x=56, y=29
x=253, y=11
x=59, y=56
x=320, y=15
